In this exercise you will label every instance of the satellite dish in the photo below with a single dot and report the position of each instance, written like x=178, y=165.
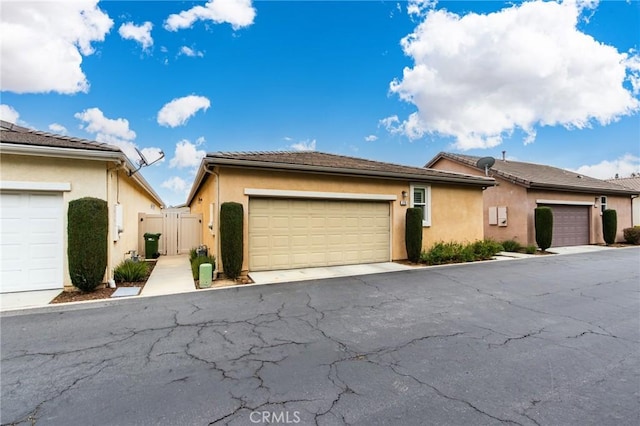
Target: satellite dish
x=143, y=160
x=486, y=163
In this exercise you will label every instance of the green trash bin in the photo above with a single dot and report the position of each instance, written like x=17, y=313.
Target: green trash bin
x=151, y=245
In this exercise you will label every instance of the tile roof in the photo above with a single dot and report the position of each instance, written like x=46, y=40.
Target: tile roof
x=628, y=182
x=540, y=176
x=14, y=134
x=332, y=163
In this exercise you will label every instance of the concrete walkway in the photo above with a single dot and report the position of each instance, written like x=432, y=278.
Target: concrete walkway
x=171, y=275
x=304, y=274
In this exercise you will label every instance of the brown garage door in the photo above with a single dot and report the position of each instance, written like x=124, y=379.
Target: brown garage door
x=570, y=225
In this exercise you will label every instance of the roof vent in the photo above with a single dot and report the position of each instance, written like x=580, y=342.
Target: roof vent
x=579, y=176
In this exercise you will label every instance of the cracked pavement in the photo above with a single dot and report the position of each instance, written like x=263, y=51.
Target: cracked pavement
x=548, y=340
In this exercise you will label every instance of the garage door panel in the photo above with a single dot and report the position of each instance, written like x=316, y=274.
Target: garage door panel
x=570, y=225
x=31, y=241
x=317, y=232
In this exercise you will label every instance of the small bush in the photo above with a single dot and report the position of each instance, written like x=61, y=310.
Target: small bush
x=544, y=227
x=193, y=253
x=530, y=249
x=130, y=271
x=199, y=260
x=511, y=245
x=231, y=238
x=453, y=252
x=486, y=249
x=413, y=233
x=609, y=225
x=632, y=235
x=88, y=220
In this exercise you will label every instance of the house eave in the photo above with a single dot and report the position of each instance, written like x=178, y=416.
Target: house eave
x=82, y=154
x=461, y=180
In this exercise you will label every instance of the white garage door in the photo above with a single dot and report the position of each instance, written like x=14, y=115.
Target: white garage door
x=286, y=234
x=31, y=247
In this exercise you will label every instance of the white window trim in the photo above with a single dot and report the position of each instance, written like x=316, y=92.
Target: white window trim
x=35, y=186
x=322, y=195
x=427, y=195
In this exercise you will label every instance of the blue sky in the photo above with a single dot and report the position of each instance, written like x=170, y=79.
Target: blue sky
x=554, y=83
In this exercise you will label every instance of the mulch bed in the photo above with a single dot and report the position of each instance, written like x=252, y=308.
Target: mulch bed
x=76, y=295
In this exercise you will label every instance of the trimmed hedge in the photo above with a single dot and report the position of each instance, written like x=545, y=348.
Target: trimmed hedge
x=632, y=235
x=88, y=221
x=413, y=233
x=609, y=225
x=231, y=238
x=544, y=227
x=454, y=252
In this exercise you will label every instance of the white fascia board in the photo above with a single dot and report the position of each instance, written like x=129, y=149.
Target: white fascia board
x=35, y=186
x=278, y=193
x=566, y=203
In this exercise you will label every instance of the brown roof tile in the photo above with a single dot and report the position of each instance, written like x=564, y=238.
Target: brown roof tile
x=628, y=182
x=533, y=175
x=323, y=162
x=14, y=134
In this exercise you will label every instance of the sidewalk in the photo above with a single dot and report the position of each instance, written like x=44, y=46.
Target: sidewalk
x=171, y=275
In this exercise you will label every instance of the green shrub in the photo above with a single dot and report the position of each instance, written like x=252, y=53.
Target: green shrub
x=609, y=225
x=87, y=220
x=453, y=252
x=231, y=238
x=193, y=253
x=544, y=227
x=199, y=260
x=632, y=235
x=530, y=249
x=486, y=249
x=413, y=233
x=511, y=245
x=130, y=271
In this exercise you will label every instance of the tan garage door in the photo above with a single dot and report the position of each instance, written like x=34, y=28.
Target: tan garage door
x=286, y=234
x=570, y=225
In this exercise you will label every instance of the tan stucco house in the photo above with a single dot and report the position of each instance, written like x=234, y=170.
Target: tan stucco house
x=577, y=201
x=633, y=183
x=39, y=174
x=308, y=209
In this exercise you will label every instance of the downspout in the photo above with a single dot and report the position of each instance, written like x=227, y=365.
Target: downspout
x=216, y=217
x=111, y=214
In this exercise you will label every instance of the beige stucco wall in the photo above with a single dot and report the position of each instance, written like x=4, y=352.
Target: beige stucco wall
x=454, y=208
x=205, y=196
x=87, y=179
x=521, y=203
x=134, y=199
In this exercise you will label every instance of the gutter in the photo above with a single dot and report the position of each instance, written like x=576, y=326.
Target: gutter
x=583, y=190
x=472, y=181
x=81, y=154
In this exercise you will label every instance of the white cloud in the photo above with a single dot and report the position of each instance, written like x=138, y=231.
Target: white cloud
x=178, y=111
x=43, y=44
x=371, y=138
x=307, y=145
x=175, y=184
x=420, y=7
x=139, y=33
x=113, y=132
x=238, y=13
x=187, y=51
x=186, y=155
x=477, y=78
x=623, y=166
x=7, y=113
x=58, y=128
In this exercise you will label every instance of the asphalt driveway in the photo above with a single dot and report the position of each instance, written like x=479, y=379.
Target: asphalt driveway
x=550, y=340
